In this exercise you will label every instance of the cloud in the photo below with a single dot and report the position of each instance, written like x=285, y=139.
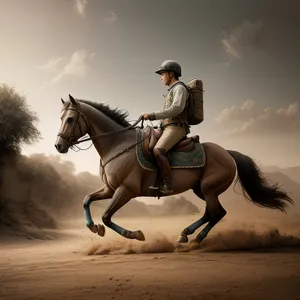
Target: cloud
x=252, y=120
x=80, y=6
x=243, y=38
x=112, y=18
x=52, y=64
x=78, y=65
x=236, y=113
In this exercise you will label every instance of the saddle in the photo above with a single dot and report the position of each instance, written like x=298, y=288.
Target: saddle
x=188, y=153
x=186, y=144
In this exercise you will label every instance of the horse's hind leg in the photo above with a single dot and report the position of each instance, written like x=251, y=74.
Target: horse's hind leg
x=121, y=196
x=217, y=177
x=183, y=238
x=212, y=187
x=217, y=213
x=193, y=227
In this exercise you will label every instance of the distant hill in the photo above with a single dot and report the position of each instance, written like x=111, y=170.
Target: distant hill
x=286, y=183
x=292, y=172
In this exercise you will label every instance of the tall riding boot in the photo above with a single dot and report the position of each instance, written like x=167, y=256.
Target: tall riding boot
x=165, y=169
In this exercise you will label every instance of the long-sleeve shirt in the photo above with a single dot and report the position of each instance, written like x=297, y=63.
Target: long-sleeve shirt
x=180, y=96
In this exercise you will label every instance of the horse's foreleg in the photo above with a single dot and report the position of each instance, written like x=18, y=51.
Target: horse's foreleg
x=103, y=193
x=121, y=196
x=193, y=227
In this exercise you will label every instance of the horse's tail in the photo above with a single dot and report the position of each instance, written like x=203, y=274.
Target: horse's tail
x=260, y=192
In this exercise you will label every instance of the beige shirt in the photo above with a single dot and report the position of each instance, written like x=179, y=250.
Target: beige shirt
x=180, y=96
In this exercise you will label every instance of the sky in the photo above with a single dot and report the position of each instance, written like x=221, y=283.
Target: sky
x=245, y=52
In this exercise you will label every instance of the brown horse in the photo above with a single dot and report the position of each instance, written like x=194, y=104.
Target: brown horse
x=115, y=140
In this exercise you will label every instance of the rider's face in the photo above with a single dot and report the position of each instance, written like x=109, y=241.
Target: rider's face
x=165, y=78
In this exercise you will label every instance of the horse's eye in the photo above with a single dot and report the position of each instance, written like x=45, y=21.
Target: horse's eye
x=70, y=120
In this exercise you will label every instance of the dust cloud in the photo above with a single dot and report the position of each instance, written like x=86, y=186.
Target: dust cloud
x=240, y=240
x=231, y=240
x=156, y=245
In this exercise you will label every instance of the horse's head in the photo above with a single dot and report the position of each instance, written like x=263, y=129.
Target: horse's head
x=73, y=125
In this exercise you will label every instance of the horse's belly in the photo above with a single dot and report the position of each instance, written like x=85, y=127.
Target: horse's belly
x=185, y=179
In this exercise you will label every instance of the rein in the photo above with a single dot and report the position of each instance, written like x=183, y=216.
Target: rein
x=141, y=118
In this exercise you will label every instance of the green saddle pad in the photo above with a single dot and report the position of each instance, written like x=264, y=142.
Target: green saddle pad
x=178, y=160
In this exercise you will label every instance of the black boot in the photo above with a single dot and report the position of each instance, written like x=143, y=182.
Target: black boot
x=165, y=169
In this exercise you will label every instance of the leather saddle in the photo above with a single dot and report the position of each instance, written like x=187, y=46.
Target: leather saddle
x=186, y=144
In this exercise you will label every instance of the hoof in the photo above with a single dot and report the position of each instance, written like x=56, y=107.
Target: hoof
x=182, y=239
x=101, y=230
x=93, y=228
x=138, y=235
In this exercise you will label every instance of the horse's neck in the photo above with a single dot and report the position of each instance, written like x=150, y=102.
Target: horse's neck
x=101, y=124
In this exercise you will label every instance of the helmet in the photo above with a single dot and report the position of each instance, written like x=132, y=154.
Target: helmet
x=170, y=65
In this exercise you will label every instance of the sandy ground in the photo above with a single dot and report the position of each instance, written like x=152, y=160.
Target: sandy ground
x=234, y=262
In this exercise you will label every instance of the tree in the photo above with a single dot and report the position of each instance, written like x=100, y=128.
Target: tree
x=17, y=123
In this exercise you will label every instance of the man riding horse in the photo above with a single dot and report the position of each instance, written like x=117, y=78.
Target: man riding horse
x=174, y=124
x=122, y=183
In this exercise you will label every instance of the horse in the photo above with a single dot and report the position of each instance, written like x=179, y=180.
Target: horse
x=115, y=140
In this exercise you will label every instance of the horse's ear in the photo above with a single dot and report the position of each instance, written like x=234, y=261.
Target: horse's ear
x=73, y=101
x=62, y=101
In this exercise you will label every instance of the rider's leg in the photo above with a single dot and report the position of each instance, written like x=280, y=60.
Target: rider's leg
x=165, y=169
x=171, y=135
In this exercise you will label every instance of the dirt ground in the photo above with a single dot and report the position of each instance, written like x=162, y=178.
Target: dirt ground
x=234, y=262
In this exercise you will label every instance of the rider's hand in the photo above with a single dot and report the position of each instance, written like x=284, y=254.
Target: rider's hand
x=146, y=116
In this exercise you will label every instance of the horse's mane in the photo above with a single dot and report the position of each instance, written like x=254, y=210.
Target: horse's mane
x=116, y=114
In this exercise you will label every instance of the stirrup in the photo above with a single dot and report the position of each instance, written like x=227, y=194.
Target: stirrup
x=154, y=188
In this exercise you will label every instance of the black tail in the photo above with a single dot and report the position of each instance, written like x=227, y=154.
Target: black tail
x=258, y=189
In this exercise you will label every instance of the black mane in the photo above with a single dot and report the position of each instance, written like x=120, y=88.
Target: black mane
x=116, y=114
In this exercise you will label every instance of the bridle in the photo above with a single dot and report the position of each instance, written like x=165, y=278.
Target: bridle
x=72, y=139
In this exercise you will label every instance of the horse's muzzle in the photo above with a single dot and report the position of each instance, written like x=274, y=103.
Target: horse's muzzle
x=60, y=148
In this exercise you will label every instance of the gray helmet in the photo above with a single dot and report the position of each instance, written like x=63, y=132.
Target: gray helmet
x=170, y=65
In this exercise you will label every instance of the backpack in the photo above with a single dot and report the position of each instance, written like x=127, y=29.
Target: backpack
x=195, y=113
x=195, y=105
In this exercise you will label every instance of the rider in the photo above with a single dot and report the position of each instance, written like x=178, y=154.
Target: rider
x=174, y=123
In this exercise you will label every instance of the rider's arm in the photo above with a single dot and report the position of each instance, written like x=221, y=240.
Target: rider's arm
x=180, y=95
